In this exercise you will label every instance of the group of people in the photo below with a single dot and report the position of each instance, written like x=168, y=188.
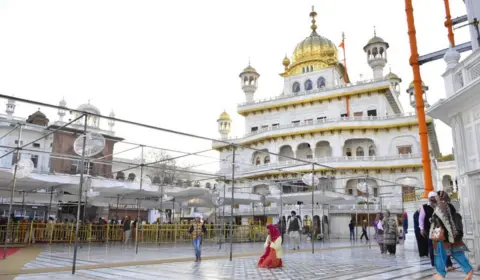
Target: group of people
x=439, y=234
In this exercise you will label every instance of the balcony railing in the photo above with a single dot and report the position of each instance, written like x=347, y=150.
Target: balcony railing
x=313, y=91
x=275, y=210
x=324, y=121
x=467, y=71
x=330, y=160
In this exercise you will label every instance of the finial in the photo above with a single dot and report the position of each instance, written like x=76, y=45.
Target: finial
x=343, y=35
x=88, y=101
x=313, y=14
x=248, y=61
x=374, y=31
x=39, y=109
x=390, y=68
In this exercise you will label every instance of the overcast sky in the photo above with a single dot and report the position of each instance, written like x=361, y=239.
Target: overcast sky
x=175, y=64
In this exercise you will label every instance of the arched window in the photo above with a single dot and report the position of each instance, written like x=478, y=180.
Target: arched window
x=296, y=87
x=321, y=82
x=371, y=151
x=120, y=176
x=360, y=152
x=348, y=152
x=266, y=160
x=308, y=85
x=311, y=68
x=131, y=177
x=257, y=161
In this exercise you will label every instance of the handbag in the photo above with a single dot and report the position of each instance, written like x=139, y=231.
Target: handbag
x=438, y=234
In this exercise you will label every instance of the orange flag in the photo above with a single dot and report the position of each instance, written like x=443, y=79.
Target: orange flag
x=342, y=44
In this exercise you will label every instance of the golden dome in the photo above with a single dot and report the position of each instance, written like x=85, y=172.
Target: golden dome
x=224, y=117
x=286, y=62
x=314, y=51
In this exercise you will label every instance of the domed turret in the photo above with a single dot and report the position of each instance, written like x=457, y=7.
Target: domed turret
x=249, y=82
x=286, y=62
x=224, y=124
x=411, y=93
x=62, y=111
x=93, y=119
x=313, y=53
x=38, y=118
x=394, y=82
x=376, y=50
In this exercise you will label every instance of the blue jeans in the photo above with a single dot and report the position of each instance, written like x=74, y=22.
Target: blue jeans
x=441, y=260
x=352, y=235
x=196, y=245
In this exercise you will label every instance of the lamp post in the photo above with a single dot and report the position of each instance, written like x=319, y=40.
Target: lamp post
x=217, y=202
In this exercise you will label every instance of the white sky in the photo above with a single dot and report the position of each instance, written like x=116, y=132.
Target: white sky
x=175, y=64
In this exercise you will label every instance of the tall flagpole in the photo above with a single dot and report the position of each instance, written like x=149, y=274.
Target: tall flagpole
x=345, y=75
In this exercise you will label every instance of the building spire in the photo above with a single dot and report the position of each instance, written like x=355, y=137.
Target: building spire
x=374, y=31
x=313, y=14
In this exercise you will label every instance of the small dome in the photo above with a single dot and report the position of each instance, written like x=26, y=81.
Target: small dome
x=251, y=70
x=286, y=61
x=411, y=85
x=89, y=108
x=376, y=40
x=62, y=103
x=38, y=114
x=38, y=118
x=224, y=117
x=112, y=114
x=393, y=76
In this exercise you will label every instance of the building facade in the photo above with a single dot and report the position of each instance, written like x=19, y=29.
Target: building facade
x=358, y=131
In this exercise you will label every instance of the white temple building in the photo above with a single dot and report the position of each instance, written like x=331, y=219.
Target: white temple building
x=359, y=129
x=460, y=109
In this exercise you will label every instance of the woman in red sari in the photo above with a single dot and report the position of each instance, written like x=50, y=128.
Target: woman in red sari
x=273, y=249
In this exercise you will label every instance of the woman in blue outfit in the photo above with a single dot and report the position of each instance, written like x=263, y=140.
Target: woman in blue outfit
x=447, y=239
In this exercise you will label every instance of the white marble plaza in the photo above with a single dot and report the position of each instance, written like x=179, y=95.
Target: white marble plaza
x=343, y=264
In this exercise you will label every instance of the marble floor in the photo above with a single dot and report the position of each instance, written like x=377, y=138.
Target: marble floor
x=95, y=254
x=334, y=263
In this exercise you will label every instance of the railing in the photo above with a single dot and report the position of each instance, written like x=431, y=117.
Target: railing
x=467, y=71
x=317, y=90
x=280, y=164
x=323, y=121
x=32, y=232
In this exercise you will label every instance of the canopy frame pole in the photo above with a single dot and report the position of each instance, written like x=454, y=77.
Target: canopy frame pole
x=14, y=184
x=79, y=202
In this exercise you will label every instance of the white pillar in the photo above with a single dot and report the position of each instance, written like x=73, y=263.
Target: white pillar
x=473, y=11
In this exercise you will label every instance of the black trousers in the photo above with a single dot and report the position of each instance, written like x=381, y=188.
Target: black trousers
x=364, y=233
x=392, y=249
x=422, y=244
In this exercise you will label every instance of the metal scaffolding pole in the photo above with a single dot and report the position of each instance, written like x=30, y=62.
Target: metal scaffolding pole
x=139, y=201
x=313, y=204
x=49, y=205
x=231, y=207
x=223, y=214
x=9, y=218
x=82, y=167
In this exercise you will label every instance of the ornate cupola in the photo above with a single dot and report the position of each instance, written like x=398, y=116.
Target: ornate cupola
x=376, y=50
x=249, y=82
x=224, y=124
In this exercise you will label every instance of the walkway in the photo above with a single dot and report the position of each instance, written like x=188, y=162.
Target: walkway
x=334, y=261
